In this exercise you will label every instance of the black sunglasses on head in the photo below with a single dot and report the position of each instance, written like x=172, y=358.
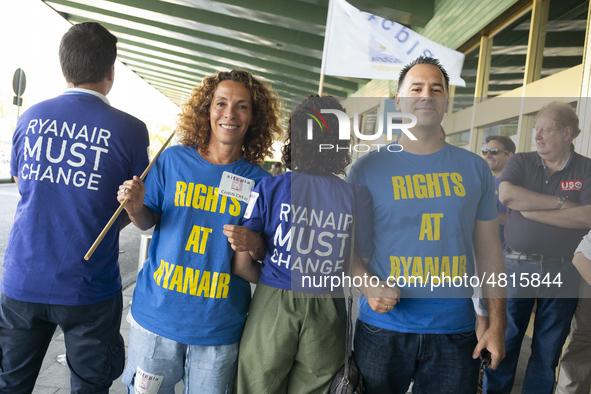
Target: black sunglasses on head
x=493, y=151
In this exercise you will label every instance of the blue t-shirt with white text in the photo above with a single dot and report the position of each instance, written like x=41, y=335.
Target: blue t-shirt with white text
x=306, y=221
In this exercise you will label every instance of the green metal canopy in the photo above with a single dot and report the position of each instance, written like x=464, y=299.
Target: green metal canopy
x=173, y=44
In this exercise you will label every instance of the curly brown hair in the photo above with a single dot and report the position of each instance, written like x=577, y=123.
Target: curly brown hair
x=194, y=127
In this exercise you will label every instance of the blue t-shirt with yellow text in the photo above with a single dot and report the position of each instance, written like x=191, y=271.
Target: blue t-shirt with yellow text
x=185, y=290
x=424, y=212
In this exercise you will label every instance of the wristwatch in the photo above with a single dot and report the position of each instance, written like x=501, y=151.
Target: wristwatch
x=560, y=202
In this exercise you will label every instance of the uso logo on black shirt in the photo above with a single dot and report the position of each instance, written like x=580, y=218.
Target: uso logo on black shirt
x=574, y=185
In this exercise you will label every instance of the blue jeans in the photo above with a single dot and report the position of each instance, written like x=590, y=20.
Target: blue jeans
x=551, y=327
x=203, y=369
x=438, y=363
x=94, y=347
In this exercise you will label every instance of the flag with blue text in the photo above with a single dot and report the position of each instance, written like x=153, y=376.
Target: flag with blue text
x=361, y=45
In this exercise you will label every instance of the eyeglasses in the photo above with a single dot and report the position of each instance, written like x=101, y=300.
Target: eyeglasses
x=493, y=151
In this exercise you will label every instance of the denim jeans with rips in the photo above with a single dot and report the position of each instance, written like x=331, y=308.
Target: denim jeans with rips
x=203, y=369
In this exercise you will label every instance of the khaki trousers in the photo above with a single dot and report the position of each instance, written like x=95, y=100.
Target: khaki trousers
x=291, y=343
x=575, y=365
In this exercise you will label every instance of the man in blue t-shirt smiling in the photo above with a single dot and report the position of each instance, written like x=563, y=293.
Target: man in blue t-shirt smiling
x=434, y=216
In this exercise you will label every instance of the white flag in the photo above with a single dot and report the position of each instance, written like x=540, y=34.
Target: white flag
x=362, y=45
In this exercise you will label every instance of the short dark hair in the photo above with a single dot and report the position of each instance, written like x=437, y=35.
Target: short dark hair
x=507, y=142
x=302, y=154
x=423, y=60
x=87, y=52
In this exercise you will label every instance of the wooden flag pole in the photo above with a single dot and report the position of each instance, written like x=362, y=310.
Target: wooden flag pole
x=324, y=50
x=321, y=85
x=124, y=203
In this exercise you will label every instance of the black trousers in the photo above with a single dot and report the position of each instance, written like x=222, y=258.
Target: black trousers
x=95, y=350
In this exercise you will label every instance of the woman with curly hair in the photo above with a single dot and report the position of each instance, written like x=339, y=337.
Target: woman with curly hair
x=294, y=338
x=189, y=307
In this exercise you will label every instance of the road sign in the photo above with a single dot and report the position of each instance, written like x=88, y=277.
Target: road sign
x=19, y=83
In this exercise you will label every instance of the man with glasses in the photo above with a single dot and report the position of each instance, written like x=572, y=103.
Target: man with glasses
x=548, y=194
x=497, y=151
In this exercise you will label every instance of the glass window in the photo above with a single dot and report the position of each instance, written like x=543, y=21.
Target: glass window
x=460, y=139
x=356, y=121
x=506, y=128
x=509, y=50
x=370, y=119
x=464, y=97
x=565, y=35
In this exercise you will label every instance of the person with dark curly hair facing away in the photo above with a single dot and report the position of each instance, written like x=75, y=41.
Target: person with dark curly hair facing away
x=188, y=306
x=294, y=338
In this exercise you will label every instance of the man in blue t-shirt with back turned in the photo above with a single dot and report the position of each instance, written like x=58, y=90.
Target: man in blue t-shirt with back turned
x=69, y=156
x=434, y=217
